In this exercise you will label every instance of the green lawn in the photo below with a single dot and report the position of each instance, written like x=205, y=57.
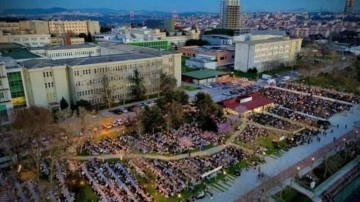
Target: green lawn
x=331, y=81
x=291, y=195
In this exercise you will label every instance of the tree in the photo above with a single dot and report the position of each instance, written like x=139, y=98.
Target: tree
x=152, y=119
x=207, y=111
x=85, y=104
x=137, y=88
x=196, y=42
x=63, y=104
x=167, y=83
x=228, y=32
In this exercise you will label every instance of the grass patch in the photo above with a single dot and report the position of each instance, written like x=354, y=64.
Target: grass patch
x=189, y=88
x=291, y=195
x=86, y=194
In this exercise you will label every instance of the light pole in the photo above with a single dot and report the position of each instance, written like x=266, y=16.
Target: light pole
x=313, y=160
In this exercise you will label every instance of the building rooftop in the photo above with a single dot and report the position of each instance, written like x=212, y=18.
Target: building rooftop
x=63, y=47
x=40, y=63
x=134, y=49
x=16, y=51
x=103, y=59
x=256, y=102
x=204, y=74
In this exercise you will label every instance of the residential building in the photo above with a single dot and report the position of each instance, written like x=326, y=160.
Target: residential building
x=224, y=55
x=230, y=14
x=258, y=50
x=70, y=51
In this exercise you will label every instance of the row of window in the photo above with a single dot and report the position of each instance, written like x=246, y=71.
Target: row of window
x=47, y=74
x=51, y=55
x=49, y=85
x=115, y=68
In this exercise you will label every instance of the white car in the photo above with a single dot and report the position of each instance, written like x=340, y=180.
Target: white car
x=226, y=93
x=208, y=85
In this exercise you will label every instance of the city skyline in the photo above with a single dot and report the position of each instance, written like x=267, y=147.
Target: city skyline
x=179, y=5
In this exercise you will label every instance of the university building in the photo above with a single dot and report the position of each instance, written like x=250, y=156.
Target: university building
x=32, y=79
x=256, y=51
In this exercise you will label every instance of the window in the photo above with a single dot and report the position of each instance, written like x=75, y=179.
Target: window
x=221, y=58
x=2, y=96
x=44, y=74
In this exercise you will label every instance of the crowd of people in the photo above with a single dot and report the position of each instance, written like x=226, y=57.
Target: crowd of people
x=313, y=90
x=307, y=104
x=60, y=192
x=271, y=121
x=292, y=115
x=251, y=133
x=173, y=177
x=105, y=146
x=113, y=182
x=186, y=138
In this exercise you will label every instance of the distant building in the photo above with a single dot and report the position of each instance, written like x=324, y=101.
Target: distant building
x=61, y=28
x=9, y=26
x=40, y=27
x=258, y=50
x=74, y=40
x=230, y=14
x=28, y=40
x=169, y=24
x=224, y=55
x=202, y=61
x=218, y=40
x=349, y=4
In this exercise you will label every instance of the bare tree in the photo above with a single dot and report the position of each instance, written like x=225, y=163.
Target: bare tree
x=107, y=88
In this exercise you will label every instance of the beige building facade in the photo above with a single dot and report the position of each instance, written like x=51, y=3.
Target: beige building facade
x=258, y=50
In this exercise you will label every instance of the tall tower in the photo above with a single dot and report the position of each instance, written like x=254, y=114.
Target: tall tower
x=230, y=14
x=349, y=4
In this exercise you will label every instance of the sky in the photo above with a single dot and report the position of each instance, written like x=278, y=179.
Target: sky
x=178, y=5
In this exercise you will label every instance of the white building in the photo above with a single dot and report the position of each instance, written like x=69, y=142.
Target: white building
x=218, y=40
x=28, y=40
x=31, y=40
x=68, y=51
x=201, y=63
x=258, y=50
